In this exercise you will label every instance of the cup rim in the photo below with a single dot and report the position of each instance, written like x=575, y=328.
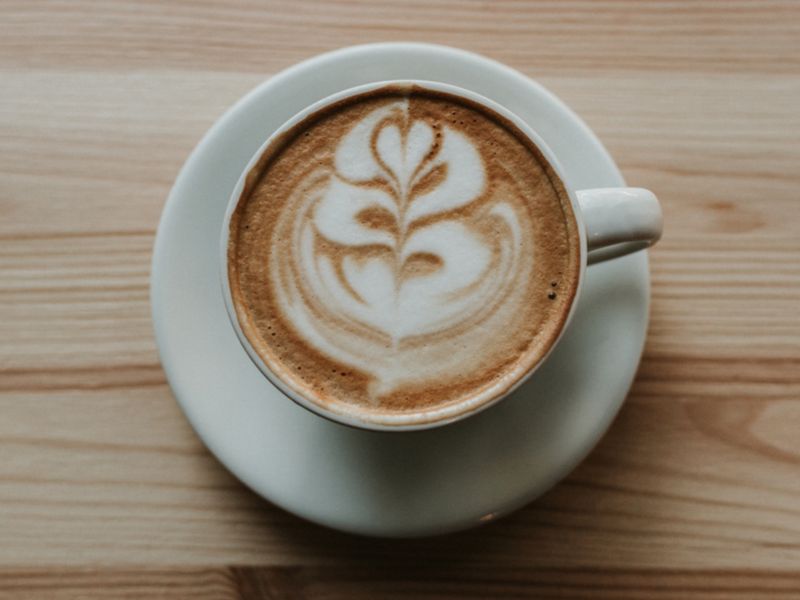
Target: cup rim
x=353, y=420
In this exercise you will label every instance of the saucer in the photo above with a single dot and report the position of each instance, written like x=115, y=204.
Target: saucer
x=395, y=484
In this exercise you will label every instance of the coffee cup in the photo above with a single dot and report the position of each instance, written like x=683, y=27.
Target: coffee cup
x=404, y=254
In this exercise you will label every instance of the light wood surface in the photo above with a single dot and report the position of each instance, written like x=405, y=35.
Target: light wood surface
x=105, y=492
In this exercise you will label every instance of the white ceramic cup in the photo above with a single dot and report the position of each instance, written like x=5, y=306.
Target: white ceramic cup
x=612, y=222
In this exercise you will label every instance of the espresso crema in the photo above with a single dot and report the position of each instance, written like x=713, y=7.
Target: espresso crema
x=403, y=252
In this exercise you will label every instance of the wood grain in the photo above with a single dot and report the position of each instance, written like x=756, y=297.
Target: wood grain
x=291, y=583
x=507, y=583
x=105, y=491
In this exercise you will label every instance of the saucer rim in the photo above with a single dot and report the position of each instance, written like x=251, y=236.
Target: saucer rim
x=159, y=312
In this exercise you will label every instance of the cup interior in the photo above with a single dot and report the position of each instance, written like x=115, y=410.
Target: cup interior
x=428, y=418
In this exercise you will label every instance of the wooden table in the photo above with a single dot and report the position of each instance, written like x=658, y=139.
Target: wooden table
x=105, y=491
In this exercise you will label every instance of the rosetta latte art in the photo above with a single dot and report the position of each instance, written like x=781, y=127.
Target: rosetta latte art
x=402, y=257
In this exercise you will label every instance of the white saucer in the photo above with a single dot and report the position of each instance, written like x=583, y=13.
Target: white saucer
x=371, y=483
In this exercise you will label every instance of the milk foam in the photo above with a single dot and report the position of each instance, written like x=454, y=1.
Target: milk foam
x=363, y=305
x=398, y=255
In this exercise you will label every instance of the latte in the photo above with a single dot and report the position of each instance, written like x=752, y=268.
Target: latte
x=402, y=253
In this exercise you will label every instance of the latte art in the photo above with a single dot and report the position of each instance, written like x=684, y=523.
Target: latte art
x=400, y=253
x=379, y=261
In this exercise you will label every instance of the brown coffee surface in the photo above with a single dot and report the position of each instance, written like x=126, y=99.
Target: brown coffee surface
x=402, y=254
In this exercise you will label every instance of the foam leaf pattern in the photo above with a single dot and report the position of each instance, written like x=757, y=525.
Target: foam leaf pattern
x=387, y=250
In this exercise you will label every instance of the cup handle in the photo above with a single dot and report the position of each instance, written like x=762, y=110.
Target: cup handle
x=619, y=221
